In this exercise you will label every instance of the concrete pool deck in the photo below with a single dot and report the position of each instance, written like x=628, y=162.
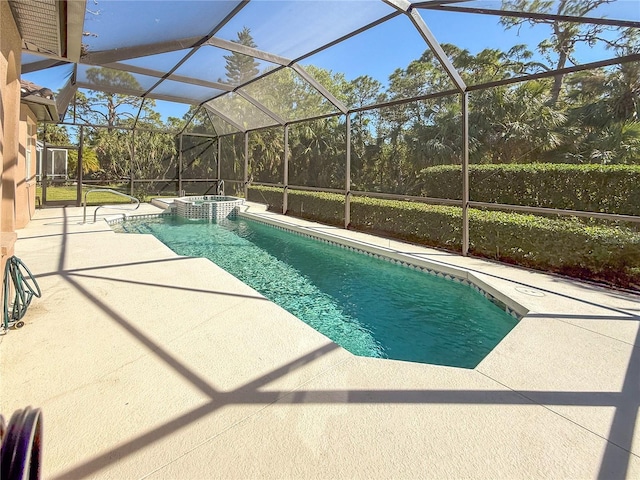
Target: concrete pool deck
x=150, y=365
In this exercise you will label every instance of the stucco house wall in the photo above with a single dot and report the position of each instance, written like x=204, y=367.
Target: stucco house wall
x=10, y=48
x=26, y=168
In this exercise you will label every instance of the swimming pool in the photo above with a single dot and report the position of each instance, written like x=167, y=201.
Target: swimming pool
x=369, y=306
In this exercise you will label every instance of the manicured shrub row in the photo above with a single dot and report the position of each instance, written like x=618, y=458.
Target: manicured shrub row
x=592, y=188
x=319, y=206
x=566, y=246
x=562, y=245
x=435, y=225
x=271, y=196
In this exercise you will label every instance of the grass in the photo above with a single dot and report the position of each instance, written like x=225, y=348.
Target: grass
x=69, y=193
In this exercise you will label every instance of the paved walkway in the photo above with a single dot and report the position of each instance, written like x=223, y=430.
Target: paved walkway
x=151, y=365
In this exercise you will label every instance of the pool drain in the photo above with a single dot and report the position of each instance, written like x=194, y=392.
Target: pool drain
x=530, y=291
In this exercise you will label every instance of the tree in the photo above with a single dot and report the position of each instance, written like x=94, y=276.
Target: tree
x=154, y=156
x=361, y=92
x=565, y=35
x=108, y=107
x=515, y=124
x=123, y=151
x=90, y=162
x=241, y=68
x=53, y=134
x=625, y=85
x=317, y=153
x=266, y=148
x=602, y=111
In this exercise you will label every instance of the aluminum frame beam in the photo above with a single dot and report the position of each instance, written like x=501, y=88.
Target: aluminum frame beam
x=402, y=5
x=218, y=158
x=180, y=166
x=64, y=97
x=562, y=71
x=210, y=115
x=347, y=174
x=534, y=15
x=211, y=109
x=42, y=64
x=75, y=23
x=615, y=217
x=465, y=172
x=127, y=53
x=159, y=74
x=424, y=31
x=349, y=35
x=323, y=91
x=285, y=175
x=437, y=50
x=198, y=44
x=249, y=51
x=261, y=107
x=245, y=173
x=106, y=88
x=198, y=135
x=436, y=3
x=483, y=86
x=190, y=119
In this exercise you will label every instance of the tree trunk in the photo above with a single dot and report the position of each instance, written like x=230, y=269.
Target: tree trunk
x=557, y=80
x=562, y=60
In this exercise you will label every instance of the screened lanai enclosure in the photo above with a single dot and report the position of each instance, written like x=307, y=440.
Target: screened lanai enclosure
x=506, y=129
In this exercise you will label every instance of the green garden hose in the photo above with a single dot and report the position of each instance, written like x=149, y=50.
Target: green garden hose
x=25, y=288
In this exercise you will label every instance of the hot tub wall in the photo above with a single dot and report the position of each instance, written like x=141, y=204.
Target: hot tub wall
x=212, y=208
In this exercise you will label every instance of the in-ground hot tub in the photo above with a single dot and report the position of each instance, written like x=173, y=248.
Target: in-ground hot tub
x=208, y=207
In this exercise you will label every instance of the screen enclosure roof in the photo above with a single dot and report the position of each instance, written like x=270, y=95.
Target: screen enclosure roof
x=258, y=63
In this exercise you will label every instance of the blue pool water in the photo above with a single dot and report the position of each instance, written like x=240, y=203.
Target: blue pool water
x=368, y=306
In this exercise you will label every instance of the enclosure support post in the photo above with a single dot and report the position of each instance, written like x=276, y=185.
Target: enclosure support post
x=132, y=158
x=465, y=174
x=347, y=175
x=180, y=166
x=43, y=170
x=79, y=169
x=285, y=193
x=246, y=166
x=218, y=160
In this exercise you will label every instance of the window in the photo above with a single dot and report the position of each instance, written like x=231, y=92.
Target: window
x=30, y=144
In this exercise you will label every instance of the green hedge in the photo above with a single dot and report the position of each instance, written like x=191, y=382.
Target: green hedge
x=270, y=196
x=434, y=225
x=591, y=188
x=562, y=245
x=318, y=206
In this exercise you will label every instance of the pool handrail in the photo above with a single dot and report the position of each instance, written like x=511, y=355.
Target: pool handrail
x=95, y=214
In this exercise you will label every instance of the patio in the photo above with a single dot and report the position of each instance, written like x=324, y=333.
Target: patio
x=150, y=365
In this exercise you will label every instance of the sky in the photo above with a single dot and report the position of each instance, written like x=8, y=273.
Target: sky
x=285, y=29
